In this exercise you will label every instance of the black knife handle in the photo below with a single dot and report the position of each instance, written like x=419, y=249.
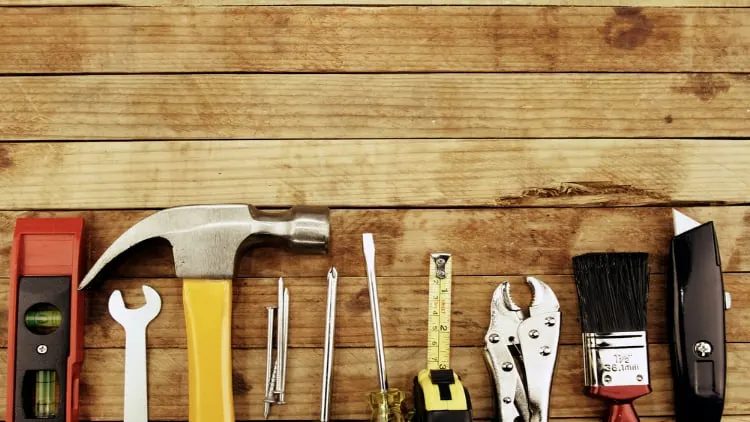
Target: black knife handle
x=696, y=321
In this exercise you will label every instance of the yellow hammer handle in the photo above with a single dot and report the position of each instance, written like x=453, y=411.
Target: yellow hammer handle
x=208, y=315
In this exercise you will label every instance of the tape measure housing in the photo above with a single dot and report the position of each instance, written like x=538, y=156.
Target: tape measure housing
x=439, y=396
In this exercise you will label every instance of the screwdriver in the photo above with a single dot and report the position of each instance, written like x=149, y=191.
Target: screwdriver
x=386, y=402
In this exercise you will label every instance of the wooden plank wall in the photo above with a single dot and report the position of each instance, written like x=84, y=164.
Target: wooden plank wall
x=513, y=133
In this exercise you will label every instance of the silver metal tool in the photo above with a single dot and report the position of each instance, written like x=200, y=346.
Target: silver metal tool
x=269, y=361
x=328, y=349
x=515, y=344
x=135, y=322
x=285, y=348
x=368, y=245
x=279, y=335
x=276, y=377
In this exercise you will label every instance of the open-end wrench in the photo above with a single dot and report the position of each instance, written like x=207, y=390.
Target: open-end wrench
x=135, y=322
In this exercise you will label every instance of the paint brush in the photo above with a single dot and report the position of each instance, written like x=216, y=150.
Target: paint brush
x=612, y=294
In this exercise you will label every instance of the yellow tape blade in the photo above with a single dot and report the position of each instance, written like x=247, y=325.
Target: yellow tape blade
x=439, y=312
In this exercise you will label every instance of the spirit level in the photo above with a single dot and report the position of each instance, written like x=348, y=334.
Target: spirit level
x=45, y=320
x=439, y=395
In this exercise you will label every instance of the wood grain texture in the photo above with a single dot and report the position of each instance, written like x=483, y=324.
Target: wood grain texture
x=355, y=375
x=161, y=3
x=373, y=106
x=520, y=241
x=375, y=173
x=374, y=39
x=403, y=306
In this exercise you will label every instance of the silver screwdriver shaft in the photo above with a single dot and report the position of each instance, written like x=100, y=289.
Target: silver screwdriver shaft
x=328, y=347
x=269, y=363
x=279, y=336
x=368, y=245
x=285, y=345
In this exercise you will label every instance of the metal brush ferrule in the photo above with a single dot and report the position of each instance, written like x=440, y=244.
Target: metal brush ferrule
x=615, y=359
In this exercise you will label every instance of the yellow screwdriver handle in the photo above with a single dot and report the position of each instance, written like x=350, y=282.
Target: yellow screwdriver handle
x=208, y=315
x=386, y=405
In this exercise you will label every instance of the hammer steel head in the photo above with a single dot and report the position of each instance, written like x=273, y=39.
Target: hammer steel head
x=207, y=239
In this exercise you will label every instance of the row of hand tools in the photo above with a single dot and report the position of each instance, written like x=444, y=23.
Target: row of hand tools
x=46, y=319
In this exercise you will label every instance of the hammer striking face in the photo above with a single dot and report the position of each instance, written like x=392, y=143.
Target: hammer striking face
x=206, y=242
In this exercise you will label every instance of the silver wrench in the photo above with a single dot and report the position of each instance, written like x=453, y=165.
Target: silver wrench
x=135, y=321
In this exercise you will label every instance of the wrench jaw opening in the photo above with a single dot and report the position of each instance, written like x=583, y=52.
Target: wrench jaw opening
x=122, y=314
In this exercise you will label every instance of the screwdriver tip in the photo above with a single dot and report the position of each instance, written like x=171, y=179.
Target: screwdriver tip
x=368, y=245
x=333, y=275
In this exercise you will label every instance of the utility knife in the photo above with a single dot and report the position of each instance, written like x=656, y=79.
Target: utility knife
x=696, y=305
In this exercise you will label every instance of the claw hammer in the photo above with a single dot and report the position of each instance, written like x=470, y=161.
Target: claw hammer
x=206, y=242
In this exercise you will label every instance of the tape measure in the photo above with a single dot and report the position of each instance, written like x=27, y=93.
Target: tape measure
x=439, y=395
x=439, y=312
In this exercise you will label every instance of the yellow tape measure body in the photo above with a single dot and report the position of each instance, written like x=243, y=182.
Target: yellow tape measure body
x=439, y=312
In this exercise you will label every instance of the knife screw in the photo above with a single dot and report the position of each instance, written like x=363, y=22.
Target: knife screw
x=507, y=366
x=703, y=349
x=545, y=351
x=507, y=400
x=550, y=321
x=494, y=338
x=639, y=378
x=534, y=333
x=607, y=379
x=41, y=349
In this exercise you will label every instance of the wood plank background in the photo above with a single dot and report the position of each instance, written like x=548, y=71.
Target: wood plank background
x=515, y=134
x=374, y=39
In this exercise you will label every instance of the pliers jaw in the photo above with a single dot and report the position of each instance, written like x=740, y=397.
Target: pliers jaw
x=523, y=379
x=505, y=316
x=544, y=301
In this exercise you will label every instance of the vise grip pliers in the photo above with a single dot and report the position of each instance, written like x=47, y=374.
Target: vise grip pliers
x=521, y=352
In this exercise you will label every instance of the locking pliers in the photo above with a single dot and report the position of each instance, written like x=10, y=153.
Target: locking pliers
x=521, y=352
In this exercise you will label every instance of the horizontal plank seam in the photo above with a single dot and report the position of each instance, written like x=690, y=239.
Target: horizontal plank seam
x=344, y=139
x=369, y=138
x=384, y=4
x=371, y=73
x=672, y=204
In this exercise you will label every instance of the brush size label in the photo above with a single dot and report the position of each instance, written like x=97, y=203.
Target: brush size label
x=623, y=362
x=616, y=359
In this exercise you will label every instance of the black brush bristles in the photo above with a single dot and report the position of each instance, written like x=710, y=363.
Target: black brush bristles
x=612, y=291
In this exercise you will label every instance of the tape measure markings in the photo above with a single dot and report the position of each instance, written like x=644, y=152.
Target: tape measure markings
x=439, y=312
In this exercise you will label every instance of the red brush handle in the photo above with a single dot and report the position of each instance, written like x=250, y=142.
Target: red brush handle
x=621, y=410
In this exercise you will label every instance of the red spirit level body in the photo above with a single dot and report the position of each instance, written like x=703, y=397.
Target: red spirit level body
x=45, y=320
